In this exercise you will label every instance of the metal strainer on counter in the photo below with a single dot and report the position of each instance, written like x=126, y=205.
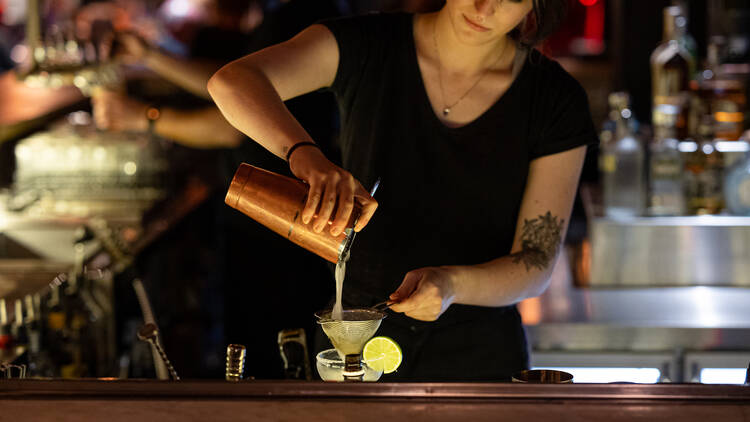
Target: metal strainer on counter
x=350, y=334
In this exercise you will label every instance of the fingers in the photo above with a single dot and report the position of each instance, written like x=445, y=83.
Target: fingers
x=407, y=287
x=313, y=199
x=420, y=296
x=327, y=205
x=333, y=193
x=369, y=205
x=345, y=206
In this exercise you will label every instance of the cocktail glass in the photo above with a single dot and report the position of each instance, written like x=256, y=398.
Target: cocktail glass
x=349, y=336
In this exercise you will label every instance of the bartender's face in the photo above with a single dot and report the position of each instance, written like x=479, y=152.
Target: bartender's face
x=480, y=21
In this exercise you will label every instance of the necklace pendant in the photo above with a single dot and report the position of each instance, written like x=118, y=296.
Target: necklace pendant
x=446, y=111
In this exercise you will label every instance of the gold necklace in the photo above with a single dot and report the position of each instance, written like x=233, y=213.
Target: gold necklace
x=447, y=108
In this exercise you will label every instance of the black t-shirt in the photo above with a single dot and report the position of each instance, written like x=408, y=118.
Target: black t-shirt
x=449, y=196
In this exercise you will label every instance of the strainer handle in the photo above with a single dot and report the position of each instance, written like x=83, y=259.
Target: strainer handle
x=382, y=306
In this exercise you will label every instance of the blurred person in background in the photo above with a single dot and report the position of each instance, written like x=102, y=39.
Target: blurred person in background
x=253, y=261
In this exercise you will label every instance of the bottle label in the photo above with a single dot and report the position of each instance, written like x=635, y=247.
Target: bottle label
x=743, y=191
x=666, y=169
x=608, y=163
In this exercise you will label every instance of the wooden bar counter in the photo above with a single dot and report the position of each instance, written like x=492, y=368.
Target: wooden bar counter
x=147, y=400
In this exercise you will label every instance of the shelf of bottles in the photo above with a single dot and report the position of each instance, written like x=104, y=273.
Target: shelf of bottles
x=65, y=330
x=676, y=195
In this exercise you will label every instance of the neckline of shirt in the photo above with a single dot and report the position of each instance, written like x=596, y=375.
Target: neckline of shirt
x=422, y=90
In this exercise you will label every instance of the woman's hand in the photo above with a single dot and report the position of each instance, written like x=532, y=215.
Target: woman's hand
x=115, y=111
x=425, y=294
x=331, y=188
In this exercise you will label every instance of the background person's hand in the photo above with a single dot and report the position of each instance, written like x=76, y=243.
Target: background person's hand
x=131, y=48
x=424, y=294
x=330, y=185
x=104, y=11
x=115, y=111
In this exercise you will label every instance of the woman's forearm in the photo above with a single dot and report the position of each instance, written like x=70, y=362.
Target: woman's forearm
x=500, y=282
x=249, y=101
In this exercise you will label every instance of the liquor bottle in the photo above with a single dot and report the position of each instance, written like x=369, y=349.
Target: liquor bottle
x=56, y=337
x=704, y=173
x=621, y=164
x=6, y=340
x=20, y=334
x=672, y=67
x=721, y=95
x=666, y=193
x=737, y=187
x=39, y=361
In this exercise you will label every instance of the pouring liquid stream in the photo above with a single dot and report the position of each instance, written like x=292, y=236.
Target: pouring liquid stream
x=340, y=273
x=338, y=310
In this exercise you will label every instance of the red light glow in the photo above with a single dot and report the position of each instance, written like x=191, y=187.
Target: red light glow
x=588, y=2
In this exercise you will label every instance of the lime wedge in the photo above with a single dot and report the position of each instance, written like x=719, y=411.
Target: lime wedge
x=382, y=354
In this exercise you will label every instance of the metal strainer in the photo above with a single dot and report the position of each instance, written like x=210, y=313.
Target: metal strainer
x=350, y=334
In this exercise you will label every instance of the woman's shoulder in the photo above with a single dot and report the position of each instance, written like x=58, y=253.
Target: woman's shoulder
x=549, y=74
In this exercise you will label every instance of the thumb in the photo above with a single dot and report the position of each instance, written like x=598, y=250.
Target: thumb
x=407, y=287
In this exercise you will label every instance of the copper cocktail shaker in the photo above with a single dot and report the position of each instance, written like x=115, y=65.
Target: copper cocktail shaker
x=277, y=201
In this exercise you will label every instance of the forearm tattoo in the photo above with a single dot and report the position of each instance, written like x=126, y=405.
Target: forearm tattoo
x=540, y=239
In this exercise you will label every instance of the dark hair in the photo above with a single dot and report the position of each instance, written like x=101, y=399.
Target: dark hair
x=544, y=19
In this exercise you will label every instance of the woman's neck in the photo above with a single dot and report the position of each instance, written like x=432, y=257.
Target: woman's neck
x=459, y=57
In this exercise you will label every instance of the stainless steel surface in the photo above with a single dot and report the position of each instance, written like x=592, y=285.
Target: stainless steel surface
x=569, y=318
x=671, y=251
x=601, y=337
x=694, y=362
x=705, y=307
x=668, y=363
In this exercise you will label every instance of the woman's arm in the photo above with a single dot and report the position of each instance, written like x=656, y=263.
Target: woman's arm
x=548, y=199
x=250, y=93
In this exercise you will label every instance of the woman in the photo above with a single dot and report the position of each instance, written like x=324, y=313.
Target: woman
x=479, y=142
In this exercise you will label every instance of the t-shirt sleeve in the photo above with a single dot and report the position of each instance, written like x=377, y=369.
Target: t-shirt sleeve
x=565, y=119
x=353, y=36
